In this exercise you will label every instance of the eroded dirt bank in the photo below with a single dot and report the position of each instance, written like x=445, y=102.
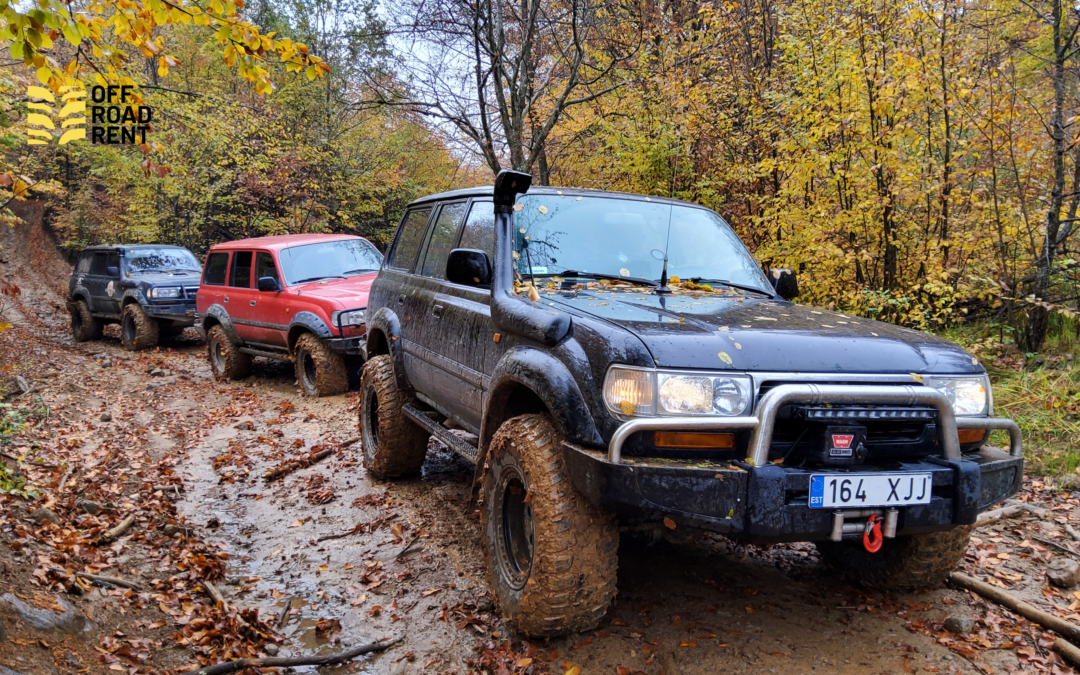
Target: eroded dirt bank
x=330, y=558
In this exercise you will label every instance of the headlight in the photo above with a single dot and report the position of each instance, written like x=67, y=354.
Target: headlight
x=969, y=395
x=636, y=392
x=163, y=293
x=354, y=317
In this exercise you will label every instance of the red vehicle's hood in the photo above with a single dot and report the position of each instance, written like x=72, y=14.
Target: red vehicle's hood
x=350, y=293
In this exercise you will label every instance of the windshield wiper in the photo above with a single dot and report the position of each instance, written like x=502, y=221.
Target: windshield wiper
x=732, y=284
x=329, y=276
x=598, y=275
x=358, y=271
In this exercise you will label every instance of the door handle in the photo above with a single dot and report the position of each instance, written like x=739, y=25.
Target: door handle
x=401, y=299
x=252, y=303
x=437, y=311
x=226, y=298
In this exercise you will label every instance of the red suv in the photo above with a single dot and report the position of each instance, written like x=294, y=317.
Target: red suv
x=296, y=297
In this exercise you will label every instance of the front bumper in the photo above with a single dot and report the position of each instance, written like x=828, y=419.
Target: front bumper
x=760, y=501
x=180, y=313
x=351, y=346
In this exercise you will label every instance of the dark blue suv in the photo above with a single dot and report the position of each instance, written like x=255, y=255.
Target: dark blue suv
x=149, y=289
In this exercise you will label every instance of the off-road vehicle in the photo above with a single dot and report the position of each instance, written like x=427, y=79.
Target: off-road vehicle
x=148, y=289
x=604, y=356
x=294, y=297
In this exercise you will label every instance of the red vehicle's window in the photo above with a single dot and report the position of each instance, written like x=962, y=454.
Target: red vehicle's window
x=264, y=266
x=216, y=266
x=241, y=270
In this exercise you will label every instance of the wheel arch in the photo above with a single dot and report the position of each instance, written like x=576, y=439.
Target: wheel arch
x=384, y=337
x=528, y=380
x=216, y=315
x=306, y=322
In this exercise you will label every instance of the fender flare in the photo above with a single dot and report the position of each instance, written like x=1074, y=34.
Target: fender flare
x=386, y=322
x=219, y=315
x=133, y=294
x=310, y=322
x=552, y=382
x=81, y=293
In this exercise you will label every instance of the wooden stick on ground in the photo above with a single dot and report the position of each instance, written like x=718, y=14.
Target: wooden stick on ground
x=288, y=467
x=1029, y=612
x=215, y=594
x=991, y=517
x=1068, y=651
x=119, y=530
x=1050, y=542
x=108, y=580
x=289, y=661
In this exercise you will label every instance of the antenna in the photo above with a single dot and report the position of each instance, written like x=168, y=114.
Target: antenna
x=663, y=287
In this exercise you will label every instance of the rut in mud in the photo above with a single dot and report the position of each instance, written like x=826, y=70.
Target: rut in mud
x=331, y=558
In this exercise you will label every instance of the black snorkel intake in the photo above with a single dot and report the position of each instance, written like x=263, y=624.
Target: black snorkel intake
x=509, y=312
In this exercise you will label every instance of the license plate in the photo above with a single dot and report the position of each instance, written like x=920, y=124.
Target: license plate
x=829, y=491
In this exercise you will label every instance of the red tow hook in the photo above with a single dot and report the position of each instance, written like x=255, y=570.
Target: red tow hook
x=872, y=537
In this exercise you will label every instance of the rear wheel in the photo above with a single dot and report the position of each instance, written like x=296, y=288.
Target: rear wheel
x=137, y=331
x=226, y=360
x=319, y=370
x=914, y=561
x=552, y=557
x=84, y=326
x=393, y=445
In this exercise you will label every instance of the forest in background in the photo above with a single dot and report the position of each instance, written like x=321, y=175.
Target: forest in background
x=914, y=161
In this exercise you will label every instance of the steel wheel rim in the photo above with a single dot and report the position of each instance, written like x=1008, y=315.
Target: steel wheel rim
x=514, y=546
x=217, y=356
x=129, y=329
x=76, y=322
x=309, y=370
x=371, y=417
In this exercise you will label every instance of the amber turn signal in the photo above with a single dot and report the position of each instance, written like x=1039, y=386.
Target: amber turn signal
x=972, y=435
x=694, y=440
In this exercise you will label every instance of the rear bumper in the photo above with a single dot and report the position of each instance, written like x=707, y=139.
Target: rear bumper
x=771, y=503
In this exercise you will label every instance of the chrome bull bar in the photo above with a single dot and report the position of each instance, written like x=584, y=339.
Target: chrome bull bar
x=763, y=420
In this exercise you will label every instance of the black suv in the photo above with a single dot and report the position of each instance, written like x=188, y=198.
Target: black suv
x=148, y=289
x=602, y=355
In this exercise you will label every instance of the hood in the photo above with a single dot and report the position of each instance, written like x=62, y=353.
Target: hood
x=185, y=278
x=705, y=330
x=349, y=293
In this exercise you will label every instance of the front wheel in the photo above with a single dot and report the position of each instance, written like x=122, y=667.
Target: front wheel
x=552, y=557
x=913, y=561
x=137, y=331
x=319, y=370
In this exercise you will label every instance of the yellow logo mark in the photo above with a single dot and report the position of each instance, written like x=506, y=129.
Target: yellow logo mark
x=72, y=106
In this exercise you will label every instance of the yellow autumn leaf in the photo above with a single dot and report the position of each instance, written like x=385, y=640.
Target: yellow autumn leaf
x=724, y=357
x=627, y=407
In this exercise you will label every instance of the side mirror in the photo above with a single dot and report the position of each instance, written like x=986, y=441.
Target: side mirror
x=112, y=271
x=785, y=282
x=269, y=285
x=468, y=267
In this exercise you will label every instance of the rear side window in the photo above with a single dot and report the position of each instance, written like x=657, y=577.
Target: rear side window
x=100, y=263
x=442, y=239
x=410, y=236
x=479, y=232
x=216, y=266
x=264, y=266
x=113, y=261
x=241, y=270
x=84, y=263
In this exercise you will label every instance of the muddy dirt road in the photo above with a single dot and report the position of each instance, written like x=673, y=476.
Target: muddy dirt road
x=332, y=559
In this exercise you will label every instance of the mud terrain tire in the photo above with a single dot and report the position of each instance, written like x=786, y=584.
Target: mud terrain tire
x=552, y=557
x=227, y=362
x=914, y=561
x=319, y=370
x=84, y=327
x=392, y=444
x=137, y=331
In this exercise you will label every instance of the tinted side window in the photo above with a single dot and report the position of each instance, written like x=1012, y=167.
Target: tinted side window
x=410, y=235
x=479, y=232
x=216, y=266
x=113, y=261
x=264, y=266
x=241, y=270
x=101, y=261
x=442, y=239
x=84, y=263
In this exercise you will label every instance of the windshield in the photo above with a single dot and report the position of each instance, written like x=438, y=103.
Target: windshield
x=328, y=260
x=626, y=238
x=160, y=260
